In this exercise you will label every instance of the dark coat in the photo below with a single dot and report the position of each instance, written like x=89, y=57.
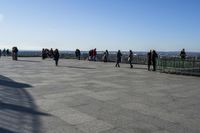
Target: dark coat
x=119, y=56
x=130, y=56
x=56, y=55
x=154, y=56
x=149, y=58
x=183, y=54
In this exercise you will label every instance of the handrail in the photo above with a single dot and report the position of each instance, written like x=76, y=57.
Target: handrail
x=189, y=66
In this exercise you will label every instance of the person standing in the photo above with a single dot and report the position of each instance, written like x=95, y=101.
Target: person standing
x=78, y=54
x=183, y=54
x=51, y=53
x=43, y=54
x=15, y=53
x=4, y=52
x=105, y=56
x=7, y=52
x=149, y=56
x=90, y=55
x=119, y=57
x=0, y=53
x=154, y=59
x=56, y=56
x=130, y=58
x=95, y=54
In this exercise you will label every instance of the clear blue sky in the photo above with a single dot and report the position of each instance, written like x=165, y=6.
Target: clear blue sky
x=140, y=25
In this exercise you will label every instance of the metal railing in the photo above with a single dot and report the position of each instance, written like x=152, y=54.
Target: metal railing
x=179, y=66
x=189, y=66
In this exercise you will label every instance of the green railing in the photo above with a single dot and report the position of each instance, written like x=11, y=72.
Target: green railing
x=179, y=66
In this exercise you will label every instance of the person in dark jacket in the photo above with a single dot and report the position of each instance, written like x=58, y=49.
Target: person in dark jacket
x=78, y=54
x=130, y=58
x=43, y=54
x=183, y=54
x=0, y=53
x=4, y=52
x=90, y=55
x=51, y=53
x=119, y=57
x=7, y=52
x=149, y=56
x=14, y=53
x=56, y=56
x=154, y=58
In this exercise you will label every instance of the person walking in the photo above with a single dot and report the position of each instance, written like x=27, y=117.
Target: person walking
x=130, y=58
x=154, y=59
x=119, y=57
x=56, y=56
x=149, y=56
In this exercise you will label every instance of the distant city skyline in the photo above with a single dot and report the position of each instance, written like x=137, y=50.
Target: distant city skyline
x=140, y=25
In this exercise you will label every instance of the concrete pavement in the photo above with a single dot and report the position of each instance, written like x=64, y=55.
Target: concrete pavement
x=94, y=97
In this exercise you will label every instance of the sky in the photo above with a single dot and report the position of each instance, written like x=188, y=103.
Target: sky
x=140, y=25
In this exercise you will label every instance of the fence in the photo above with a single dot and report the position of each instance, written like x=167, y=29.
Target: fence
x=189, y=66
x=179, y=66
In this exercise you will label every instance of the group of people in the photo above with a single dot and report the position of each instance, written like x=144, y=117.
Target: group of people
x=92, y=55
x=46, y=53
x=119, y=58
x=152, y=57
x=4, y=52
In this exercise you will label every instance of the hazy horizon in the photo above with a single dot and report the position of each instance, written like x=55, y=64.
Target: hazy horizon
x=100, y=50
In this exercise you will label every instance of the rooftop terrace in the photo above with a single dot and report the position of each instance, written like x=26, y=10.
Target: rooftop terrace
x=94, y=97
